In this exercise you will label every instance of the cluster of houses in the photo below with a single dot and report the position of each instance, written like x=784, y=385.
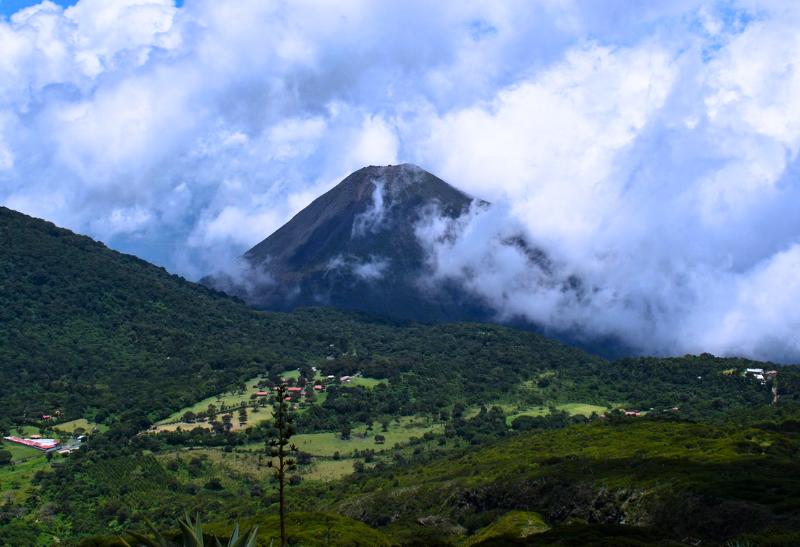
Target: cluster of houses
x=293, y=391
x=297, y=392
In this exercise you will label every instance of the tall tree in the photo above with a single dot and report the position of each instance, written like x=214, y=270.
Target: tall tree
x=281, y=449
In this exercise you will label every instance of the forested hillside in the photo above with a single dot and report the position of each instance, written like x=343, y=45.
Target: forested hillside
x=93, y=332
x=94, y=339
x=710, y=482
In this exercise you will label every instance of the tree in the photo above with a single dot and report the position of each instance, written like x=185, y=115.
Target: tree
x=5, y=457
x=380, y=439
x=279, y=448
x=346, y=432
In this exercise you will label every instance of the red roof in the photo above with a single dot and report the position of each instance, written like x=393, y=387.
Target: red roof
x=287, y=398
x=294, y=389
x=41, y=444
x=262, y=393
x=318, y=388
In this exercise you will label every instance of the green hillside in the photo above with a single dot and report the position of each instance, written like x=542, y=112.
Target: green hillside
x=715, y=482
x=475, y=421
x=95, y=333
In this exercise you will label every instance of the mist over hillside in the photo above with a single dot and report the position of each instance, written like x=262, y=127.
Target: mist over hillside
x=649, y=150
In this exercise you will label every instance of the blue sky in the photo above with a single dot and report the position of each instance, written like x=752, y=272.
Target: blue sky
x=9, y=7
x=649, y=148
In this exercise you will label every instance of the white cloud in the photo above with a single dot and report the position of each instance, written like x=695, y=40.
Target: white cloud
x=649, y=148
x=235, y=227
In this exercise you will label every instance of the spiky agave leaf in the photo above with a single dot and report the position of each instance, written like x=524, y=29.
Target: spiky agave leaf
x=192, y=531
x=192, y=534
x=145, y=541
x=248, y=540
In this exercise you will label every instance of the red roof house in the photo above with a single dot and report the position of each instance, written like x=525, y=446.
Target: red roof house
x=41, y=444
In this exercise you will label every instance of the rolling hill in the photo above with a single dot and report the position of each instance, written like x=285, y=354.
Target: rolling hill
x=94, y=336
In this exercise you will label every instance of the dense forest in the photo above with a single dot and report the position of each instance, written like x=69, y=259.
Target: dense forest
x=490, y=429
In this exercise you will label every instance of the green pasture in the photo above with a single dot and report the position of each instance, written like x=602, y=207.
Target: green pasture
x=366, y=382
x=227, y=398
x=328, y=443
x=86, y=425
x=15, y=479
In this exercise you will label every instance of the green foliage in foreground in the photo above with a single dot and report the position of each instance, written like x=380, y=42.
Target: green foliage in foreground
x=312, y=529
x=304, y=528
x=191, y=535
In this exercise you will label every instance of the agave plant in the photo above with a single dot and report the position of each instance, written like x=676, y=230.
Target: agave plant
x=191, y=536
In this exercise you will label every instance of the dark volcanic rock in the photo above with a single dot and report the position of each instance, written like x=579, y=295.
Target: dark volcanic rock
x=355, y=247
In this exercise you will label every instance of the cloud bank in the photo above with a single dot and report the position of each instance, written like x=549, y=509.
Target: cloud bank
x=650, y=150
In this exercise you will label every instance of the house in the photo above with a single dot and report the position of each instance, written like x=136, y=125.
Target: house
x=262, y=393
x=41, y=444
x=318, y=387
x=757, y=373
x=46, y=416
x=345, y=379
x=635, y=413
x=294, y=389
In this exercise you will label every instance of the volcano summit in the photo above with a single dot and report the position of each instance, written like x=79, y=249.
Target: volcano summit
x=356, y=247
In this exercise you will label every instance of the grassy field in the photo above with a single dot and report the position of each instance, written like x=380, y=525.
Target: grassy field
x=15, y=479
x=328, y=470
x=291, y=374
x=21, y=452
x=366, y=382
x=25, y=430
x=573, y=409
x=229, y=399
x=253, y=464
x=253, y=418
x=326, y=444
x=86, y=425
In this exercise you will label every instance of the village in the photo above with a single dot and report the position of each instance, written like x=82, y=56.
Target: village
x=251, y=402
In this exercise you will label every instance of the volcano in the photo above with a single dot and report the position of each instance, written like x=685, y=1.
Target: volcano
x=355, y=247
